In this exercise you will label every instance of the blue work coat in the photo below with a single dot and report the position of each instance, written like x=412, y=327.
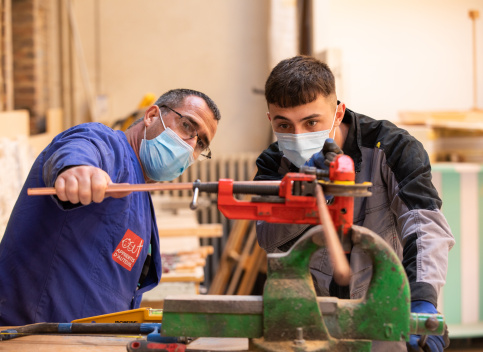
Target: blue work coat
x=59, y=261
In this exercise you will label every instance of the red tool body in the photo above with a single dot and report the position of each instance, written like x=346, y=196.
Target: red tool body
x=295, y=203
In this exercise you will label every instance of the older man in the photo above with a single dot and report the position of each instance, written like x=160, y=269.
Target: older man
x=81, y=253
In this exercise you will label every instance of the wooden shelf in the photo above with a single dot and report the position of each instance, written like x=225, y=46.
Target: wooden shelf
x=203, y=230
x=196, y=275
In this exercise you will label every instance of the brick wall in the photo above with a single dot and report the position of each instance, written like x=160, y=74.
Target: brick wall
x=29, y=59
x=6, y=66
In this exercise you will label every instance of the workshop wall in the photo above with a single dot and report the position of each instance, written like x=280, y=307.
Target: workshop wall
x=29, y=47
x=401, y=55
x=216, y=46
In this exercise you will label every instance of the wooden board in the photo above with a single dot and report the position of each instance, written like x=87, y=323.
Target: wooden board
x=219, y=344
x=471, y=119
x=14, y=123
x=68, y=343
x=108, y=343
x=202, y=230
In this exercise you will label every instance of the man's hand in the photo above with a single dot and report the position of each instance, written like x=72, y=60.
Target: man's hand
x=322, y=159
x=330, y=151
x=426, y=343
x=84, y=184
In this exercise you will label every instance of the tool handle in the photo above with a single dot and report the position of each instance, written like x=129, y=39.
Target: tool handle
x=262, y=188
x=342, y=272
x=79, y=328
x=426, y=324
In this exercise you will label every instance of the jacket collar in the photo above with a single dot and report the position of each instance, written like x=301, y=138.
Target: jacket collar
x=352, y=144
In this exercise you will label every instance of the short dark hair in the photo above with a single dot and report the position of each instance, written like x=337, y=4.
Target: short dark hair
x=299, y=80
x=175, y=97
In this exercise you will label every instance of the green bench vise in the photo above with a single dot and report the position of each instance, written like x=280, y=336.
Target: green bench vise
x=290, y=316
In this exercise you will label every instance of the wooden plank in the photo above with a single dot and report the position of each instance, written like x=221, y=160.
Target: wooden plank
x=202, y=230
x=14, y=123
x=68, y=343
x=433, y=117
x=219, y=344
x=240, y=265
x=233, y=245
x=55, y=123
x=196, y=275
x=255, y=264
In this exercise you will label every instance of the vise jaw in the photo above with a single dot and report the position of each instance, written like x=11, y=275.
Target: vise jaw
x=290, y=317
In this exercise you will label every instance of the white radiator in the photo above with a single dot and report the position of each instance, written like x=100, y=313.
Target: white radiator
x=239, y=167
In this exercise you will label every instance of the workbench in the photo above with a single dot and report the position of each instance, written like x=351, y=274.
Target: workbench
x=67, y=343
x=107, y=343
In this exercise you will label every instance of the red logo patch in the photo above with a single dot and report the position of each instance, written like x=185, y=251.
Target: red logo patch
x=128, y=250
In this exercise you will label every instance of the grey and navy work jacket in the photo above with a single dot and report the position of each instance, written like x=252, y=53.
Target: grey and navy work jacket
x=404, y=209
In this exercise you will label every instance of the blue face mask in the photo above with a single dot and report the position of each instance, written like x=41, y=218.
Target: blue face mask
x=165, y=157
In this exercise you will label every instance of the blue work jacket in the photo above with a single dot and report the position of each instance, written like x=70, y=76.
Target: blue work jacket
x=60, y=261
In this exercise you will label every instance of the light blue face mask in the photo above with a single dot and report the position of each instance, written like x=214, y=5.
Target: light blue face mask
x=298, y=148
x=165, y=157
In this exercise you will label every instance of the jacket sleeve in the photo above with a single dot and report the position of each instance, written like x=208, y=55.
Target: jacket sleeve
x=87, y=144
x=424, y=232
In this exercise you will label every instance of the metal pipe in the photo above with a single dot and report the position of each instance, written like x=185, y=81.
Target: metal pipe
x=342, y=273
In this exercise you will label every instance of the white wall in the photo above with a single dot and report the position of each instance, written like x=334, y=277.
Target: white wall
x=215, y=46
x=402, y=55
x=395, y=56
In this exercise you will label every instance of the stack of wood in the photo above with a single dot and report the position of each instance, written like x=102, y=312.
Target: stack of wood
x=185, y=261
x=455, y=136
x=241, y=262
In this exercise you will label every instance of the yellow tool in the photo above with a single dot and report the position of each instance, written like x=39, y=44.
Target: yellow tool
x=140, y=315
x=148, y=100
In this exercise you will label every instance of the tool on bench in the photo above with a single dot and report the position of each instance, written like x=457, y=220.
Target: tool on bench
x=139, y=315
x=80, y=328
x=289, y=316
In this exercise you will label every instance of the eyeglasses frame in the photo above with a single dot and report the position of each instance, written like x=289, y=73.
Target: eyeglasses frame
x=208, y=154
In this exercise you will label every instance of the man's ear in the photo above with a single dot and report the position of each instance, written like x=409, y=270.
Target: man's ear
x=340, y=114
x=151, y=114
x=269, y=118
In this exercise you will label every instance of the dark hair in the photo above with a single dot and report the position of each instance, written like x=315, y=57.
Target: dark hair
x=298, y=81
x=175, y=97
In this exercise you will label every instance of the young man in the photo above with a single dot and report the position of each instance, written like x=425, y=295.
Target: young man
x=404, y=208
x=81, y=253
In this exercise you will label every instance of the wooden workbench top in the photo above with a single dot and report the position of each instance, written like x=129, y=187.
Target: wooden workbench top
x=68, y=343
x=107, y=343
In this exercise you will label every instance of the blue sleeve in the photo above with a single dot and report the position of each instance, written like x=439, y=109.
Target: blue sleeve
x=87, y=144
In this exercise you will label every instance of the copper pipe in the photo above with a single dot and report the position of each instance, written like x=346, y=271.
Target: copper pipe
x=121, y=187
x=342, y=272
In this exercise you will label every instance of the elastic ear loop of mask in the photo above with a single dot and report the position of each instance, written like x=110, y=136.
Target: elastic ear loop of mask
x=333, y=121
x=161, y=118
